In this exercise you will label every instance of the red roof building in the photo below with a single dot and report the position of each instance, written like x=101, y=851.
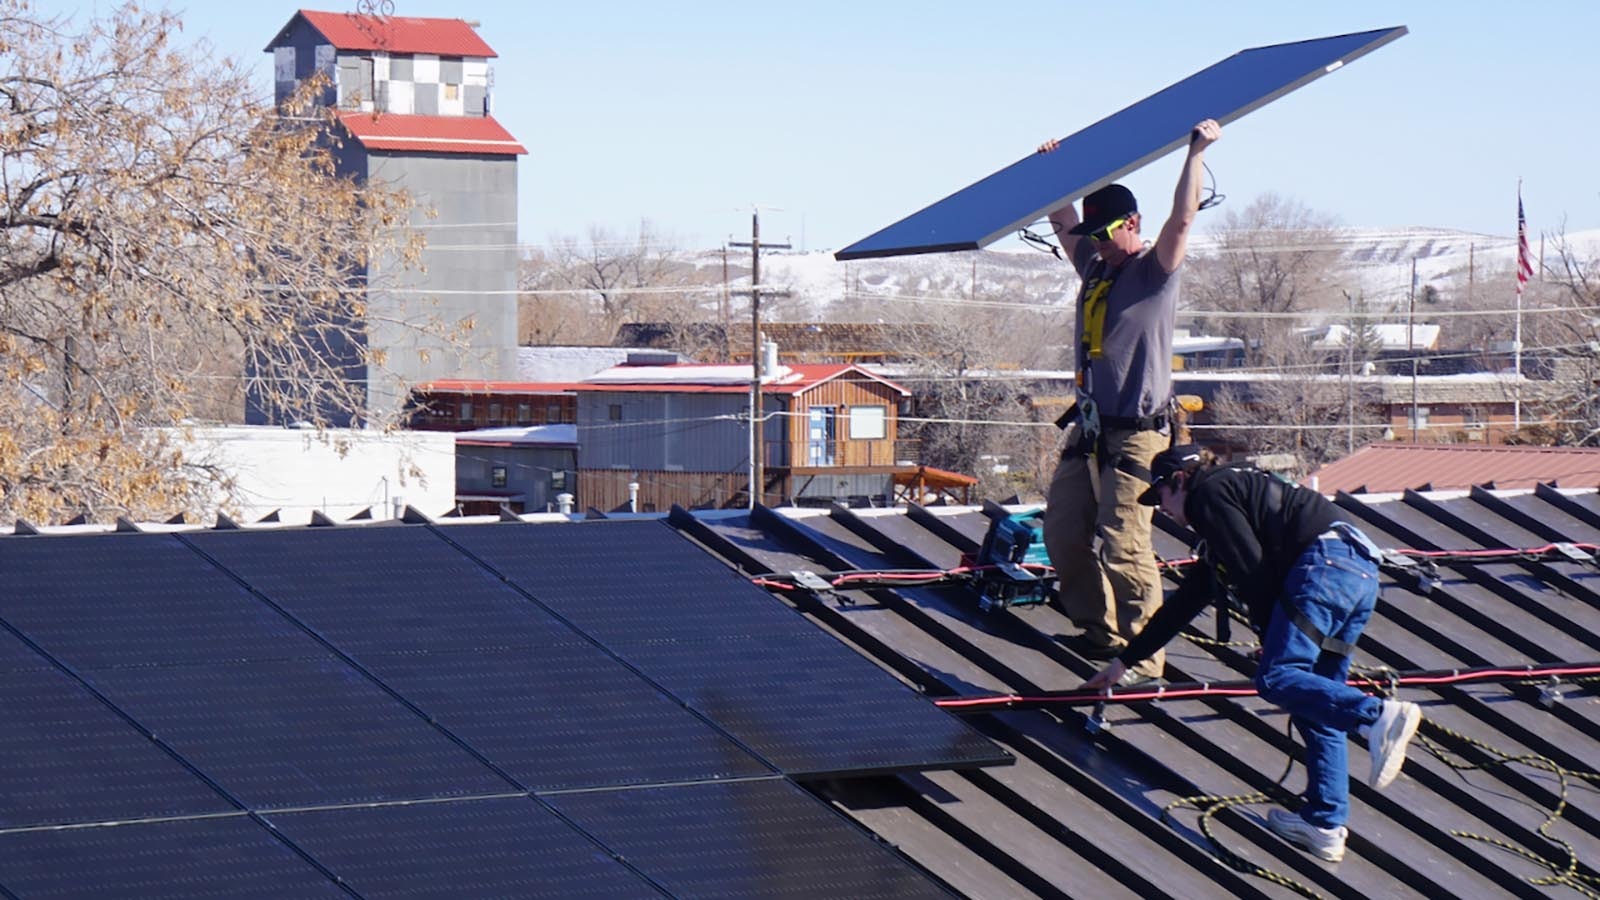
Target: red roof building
x=395, y=34
x=1389, y=468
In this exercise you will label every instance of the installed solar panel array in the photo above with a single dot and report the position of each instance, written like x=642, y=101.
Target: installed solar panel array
x=507, y=710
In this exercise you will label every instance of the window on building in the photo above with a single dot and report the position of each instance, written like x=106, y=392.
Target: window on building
x=1417, y=417
x=615, y=412
x=497, y=476
x=452, y=92
x=552, y=413
x=869, y=423
x=558, y=481
x=464, y=411
x=524, y=413
x=495, y=411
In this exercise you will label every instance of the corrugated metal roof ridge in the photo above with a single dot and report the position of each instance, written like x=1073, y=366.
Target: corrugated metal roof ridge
x=398, y=34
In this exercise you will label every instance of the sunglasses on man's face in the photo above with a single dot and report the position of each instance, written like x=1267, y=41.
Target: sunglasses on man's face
x=1104, y=234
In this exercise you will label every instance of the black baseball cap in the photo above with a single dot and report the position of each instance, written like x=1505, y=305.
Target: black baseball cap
x=1103, y=207
x=1166, y=464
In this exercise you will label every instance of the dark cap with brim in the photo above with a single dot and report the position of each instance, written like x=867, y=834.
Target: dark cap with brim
x=1103, y=207
x=1167, y=463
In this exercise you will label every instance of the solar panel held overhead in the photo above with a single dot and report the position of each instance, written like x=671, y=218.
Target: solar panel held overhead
x=1028, y=189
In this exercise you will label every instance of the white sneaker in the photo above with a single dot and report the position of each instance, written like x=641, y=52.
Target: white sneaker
x=1387, y=739
x=1323, y=843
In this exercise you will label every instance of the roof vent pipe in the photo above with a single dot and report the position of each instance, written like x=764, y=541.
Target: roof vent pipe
x=769, y=359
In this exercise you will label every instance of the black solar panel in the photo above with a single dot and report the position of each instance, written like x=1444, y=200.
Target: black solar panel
x=296, y=733
x=531, y=694
x=749, y=839
x=66, y=757
x=383, y=589
x=564, y=717
x=998, y=205
x=628, y=581
x=727, y=648
x=205, y=858
x=136, y=599
x=811, y=707
x=507, y=847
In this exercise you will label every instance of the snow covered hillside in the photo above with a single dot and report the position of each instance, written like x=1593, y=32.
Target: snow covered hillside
x=1374, y=261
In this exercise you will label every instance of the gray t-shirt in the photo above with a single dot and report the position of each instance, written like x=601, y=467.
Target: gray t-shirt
x=1133, y=375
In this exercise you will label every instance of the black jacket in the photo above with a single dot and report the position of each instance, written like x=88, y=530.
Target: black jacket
x=1252, y=527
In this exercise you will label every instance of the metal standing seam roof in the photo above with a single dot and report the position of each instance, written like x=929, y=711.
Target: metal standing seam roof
x=397, y=34
x=1080, y=814
x=1386, y=467
x=431, y=134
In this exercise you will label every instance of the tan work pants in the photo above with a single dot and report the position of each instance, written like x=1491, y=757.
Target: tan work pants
x=1111, y=593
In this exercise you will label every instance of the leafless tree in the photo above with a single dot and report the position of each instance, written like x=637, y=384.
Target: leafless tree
x=1572, y=337
x=968, y=384
x=579, y=291
x=160, y=223
x=1273, y=256
x=1298, y=403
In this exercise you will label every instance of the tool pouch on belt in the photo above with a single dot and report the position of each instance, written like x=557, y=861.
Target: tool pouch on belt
x=1085, y=440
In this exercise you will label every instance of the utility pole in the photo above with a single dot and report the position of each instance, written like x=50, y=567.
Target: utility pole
x=1411, y=345
x=724, y=317
x=757, y=418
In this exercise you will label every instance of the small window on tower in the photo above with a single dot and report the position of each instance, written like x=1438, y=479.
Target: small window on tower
x=452, y=92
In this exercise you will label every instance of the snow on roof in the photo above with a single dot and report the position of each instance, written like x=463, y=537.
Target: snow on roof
x=700, y=378
x=1389, y=335
x=520, y=436
x=559, y=364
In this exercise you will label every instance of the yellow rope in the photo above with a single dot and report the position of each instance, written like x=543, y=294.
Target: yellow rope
x=1209, y=805
x=1566, y=873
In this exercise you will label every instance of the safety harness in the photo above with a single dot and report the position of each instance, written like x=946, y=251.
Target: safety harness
x=1277, y=523
x=1095, y=302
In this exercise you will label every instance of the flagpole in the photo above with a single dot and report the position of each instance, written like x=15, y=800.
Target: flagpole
x=1516, y=337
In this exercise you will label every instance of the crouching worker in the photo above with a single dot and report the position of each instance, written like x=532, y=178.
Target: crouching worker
x=1309, y=581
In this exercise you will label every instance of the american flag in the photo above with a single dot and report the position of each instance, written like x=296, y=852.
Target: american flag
x=1524, y=258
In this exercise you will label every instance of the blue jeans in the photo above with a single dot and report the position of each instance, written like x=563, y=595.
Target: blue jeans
x=1335, y=585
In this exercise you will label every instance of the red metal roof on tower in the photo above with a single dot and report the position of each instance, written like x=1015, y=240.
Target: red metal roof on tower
x=431, y=134
x=398, y=34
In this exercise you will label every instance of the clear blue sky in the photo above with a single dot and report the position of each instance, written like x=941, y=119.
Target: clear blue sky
x=847, y=116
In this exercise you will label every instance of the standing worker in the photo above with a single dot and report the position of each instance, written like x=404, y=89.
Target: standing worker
x=1122, y=417
x=1309, y=582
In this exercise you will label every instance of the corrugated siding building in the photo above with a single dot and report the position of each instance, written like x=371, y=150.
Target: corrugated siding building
x=681, y=433
x=415, y=111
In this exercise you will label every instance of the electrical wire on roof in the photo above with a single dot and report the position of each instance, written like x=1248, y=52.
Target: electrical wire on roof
x=1529, y=675
x=1416, y=569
